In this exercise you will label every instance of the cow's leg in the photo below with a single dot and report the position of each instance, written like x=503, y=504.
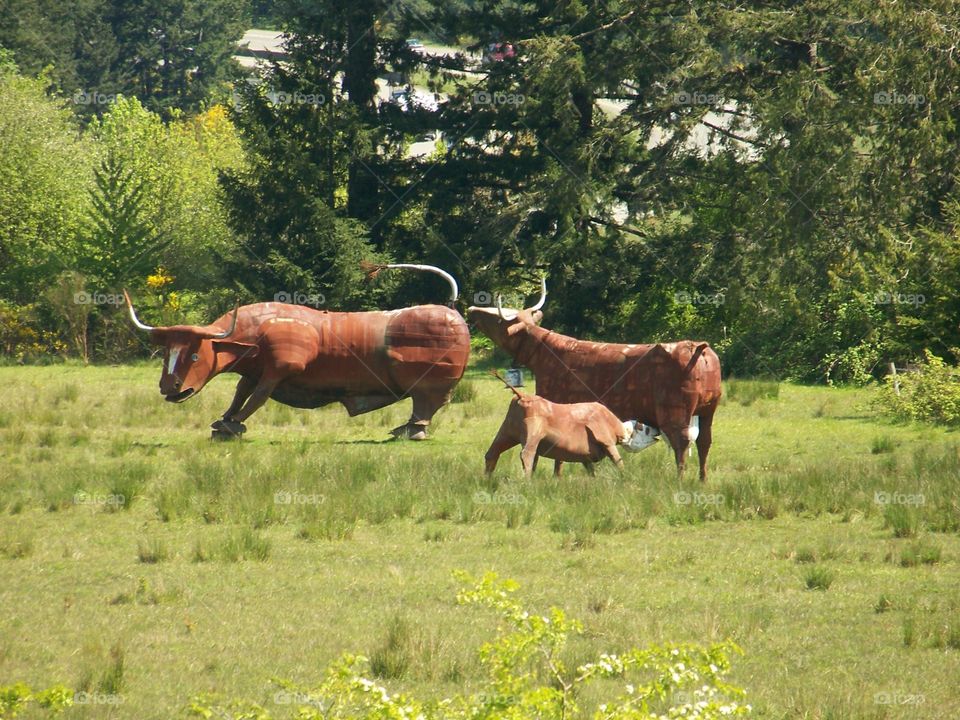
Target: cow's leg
x=501, y=443
x=557, y=467
x=679, y=441
x=705, y=438
x=590, y=470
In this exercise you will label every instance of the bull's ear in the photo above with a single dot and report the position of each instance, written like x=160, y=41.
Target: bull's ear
x=515, y=328
x=228, y=352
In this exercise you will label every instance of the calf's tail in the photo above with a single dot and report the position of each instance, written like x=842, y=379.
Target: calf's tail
x=504, y=381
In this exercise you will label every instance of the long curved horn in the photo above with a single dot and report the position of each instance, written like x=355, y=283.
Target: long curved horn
x=543, y=294
x=503, y=317
x=454, y=289
x=233, y=326
x=133, y=315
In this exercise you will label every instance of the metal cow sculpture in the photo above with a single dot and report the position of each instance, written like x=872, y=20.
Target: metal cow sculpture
x=574, y=432
x=664, y=385
x=308, y=358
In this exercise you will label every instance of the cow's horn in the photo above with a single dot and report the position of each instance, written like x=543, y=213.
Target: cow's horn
x=133, y=314
x=454, y=289
x=543, y=295
x=233, y=325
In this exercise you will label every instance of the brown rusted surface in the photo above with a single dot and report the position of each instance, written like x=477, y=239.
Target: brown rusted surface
x=308, y=358
x=583, y=432
x=663, y=384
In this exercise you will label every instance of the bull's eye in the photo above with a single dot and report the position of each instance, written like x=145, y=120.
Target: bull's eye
x=194, y=357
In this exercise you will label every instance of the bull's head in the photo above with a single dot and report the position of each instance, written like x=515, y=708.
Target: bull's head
x=504, y=325
x=193, y=354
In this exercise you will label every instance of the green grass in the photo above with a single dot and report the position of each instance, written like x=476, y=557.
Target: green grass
x=227, y=564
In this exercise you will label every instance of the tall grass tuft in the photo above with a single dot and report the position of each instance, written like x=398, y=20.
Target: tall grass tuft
x=112, y=681
x=152, y=551
x=392, y=659
x=244, y=544
x=902, y=519
x=746, y=392
x=818, y=577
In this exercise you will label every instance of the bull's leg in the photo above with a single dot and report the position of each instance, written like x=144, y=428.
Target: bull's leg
x=705, y=438
x=261, y=393
x=589, y=466
x=501, y=443
x=425, y=406
x=557, y=467
x=244, y=388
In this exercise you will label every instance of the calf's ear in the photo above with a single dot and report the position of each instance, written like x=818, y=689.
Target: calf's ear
x=228, y=352
x=515, y=328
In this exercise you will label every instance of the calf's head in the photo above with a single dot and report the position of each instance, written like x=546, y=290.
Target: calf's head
x=193, y=354
x=505, y=326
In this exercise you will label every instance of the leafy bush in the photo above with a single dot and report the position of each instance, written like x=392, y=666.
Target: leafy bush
x=527, y=677
x=931, y=394
x=15, y=698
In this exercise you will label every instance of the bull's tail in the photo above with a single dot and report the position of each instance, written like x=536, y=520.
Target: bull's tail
x=373, y=268
x=504, y=381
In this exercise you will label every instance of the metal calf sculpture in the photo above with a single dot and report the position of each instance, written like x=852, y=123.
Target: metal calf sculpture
x=308, y=358
x=666, y=385
x=575, y=432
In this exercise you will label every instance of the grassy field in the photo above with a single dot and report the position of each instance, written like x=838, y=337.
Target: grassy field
x=143, y=561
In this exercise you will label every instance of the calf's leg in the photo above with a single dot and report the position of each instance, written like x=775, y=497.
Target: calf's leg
x=503, y=441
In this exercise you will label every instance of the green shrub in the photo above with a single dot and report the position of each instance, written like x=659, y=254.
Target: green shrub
x=528, y=677
x=931, y=394
x=15, y=698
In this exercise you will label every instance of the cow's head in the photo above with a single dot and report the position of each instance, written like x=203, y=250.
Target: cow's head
x=193, y=354
x=505, y=325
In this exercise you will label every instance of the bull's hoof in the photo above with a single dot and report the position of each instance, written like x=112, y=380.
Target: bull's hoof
x=227, y=430
x=410, y=431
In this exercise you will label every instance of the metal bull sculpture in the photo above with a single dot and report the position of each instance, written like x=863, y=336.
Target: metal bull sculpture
x=664, y=385
x=308, y=358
